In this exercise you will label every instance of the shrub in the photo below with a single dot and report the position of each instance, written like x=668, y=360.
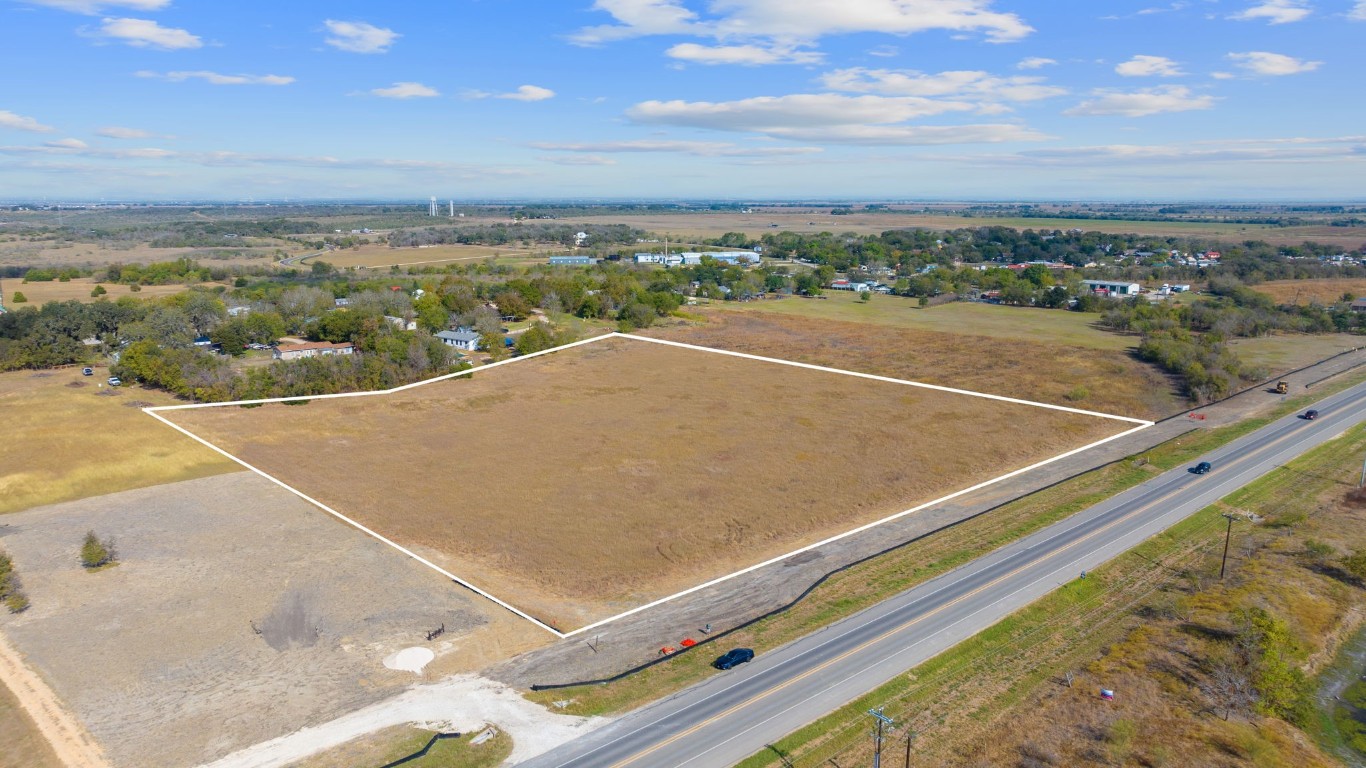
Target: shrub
x=96, y=553
x=99, y=290
x=19, y=297
x=11, y=593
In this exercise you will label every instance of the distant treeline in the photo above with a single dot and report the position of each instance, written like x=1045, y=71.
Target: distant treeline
x=505, y=234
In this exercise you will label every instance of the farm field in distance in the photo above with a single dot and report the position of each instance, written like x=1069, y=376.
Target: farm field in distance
x=14, y=252
x=375, y=256
x=592, y=480
x=79, y=288
x=758, y=223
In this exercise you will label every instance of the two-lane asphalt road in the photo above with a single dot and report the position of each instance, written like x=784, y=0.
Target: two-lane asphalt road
x=735, y=714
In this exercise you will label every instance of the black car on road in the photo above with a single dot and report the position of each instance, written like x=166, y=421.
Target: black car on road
x=1201, y=468
x=1310, y=415
x=732, y=658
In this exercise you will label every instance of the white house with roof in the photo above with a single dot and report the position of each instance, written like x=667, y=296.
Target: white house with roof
x=463, y=339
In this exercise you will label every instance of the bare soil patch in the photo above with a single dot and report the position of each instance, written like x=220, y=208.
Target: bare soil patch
x=590, y=481
x=159, y=658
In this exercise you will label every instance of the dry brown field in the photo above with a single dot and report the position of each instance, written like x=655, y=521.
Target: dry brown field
x=590, y=481
x=1077, y=374
x=66, y=437
x=382, y=256
x=46, y=254
x=78, y=289
x=1325, y=291
x=761, y=221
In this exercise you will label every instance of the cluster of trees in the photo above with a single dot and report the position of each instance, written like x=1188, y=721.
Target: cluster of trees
x=907, y=251
x=1261, y=669
x=505, y=234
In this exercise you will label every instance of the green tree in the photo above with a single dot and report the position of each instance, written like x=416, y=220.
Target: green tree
x=493, y=346
x=98, y=291
x=432, y=314
x=18, y=297
x=537, y=338
x=97, y=553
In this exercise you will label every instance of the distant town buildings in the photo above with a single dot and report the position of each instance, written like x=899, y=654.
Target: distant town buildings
x=312, y=349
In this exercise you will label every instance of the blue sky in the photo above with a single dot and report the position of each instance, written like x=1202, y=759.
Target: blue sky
x=746, y=99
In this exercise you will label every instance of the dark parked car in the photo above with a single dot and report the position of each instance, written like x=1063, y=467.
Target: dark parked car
x=1311, y=415
x=1201, y=468
x=733, y=658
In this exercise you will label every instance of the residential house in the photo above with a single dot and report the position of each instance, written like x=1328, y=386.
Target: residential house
x=463, y=339
x=312, y=349
x=573, y=261
x=401, y=324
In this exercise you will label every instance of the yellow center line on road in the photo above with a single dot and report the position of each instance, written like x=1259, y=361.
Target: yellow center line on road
x=918, y=619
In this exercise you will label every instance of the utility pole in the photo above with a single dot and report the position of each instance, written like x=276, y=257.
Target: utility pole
x=882, y=721
x=1363, y=474
x=910, y=736
x=1227, y=535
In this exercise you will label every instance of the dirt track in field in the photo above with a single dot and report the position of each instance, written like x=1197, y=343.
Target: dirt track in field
x=592, y=480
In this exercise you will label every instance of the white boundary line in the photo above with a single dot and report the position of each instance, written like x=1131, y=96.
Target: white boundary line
x=154, y=412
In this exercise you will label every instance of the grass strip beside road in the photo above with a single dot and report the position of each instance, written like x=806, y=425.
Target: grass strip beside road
x=951, y=697
x=876, y=580
x=397, y=742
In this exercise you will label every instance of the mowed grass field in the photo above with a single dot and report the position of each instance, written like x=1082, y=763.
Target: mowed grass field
x=1327, y=291
x=78, y=289
x=1042, y=355
x=382, y=256
x=64, y=442
x=592, y=480
x=1288, y=352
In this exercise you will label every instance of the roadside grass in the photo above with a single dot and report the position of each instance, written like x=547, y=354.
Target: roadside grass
x=1125, y=627
x=63, y=440
x=397, y=742
x=1321, y=291
x=875, y=580
x=960, y=317
x=21, y=743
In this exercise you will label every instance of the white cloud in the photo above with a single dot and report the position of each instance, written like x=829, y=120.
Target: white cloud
x=115, y=132
x=1275, y=11
x=359, y=36
x=696, y=148
x=406, y=91
x=1237, y=151
x=1222, y=75
x=529, y=93
x=960, y=84
x=1149, y=101
x=92, y=7
x=215, y=78
x=67, y=144
x=889, y=51
x=748, y=55
x=577, y=160
x=145, y=33
x=830, y=117
x=1035, y=62
x=1358, y=12
x=21, y=123
x=1272, y=64
x=1149, y=66
x=801, y=21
